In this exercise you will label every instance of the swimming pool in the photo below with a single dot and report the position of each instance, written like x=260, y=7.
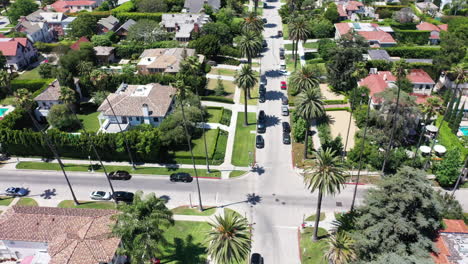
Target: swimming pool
x=464, y=130
x=4, y=110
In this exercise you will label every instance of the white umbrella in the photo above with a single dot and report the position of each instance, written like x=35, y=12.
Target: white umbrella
x=425, y=149
x=431, y=128
x=440, y=149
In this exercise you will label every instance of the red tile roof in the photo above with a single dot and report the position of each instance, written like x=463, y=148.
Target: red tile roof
x=341, y=11
x=353, y=5
x=455, y=226
x=375, y=83
x=387, y=76
x=419, y=76
x=76, y=45
x=60, y=6
x=420, y=98
x=443, y=27
x=452, y=226
x=342, y=28
x=63, y=6
x=427, y=26
x=9, y=46
x=380, y=36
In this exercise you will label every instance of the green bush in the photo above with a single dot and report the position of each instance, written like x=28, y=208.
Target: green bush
x=334, y=102
x=227, y=50
x=408, y=52
x=16, y=120
x=226, y=60
x=30, y=85
x=49, y=47
x=381, y=65
x=417, y=37
x=137, y=16
x=125, y=7
x=127, y=50
x=97, y=14
x=337, y=109
x=217, y=99
x=226, y=117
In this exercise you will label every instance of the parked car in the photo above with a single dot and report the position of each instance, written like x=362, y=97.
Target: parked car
x=281, y=53
x=261, y=116
x=261, y=97
x=262, y=87
x=16, y=191
x=261, y=128
x=265, y=5
x=284, y=101
x=100, y=195
x=259, y=141
x=284, y=110
x=181, y=177
x=284, y=86
x=286, y=127
x=264, y=20
x=280, y=33
x=256, y=259
x=264, y=44
x=283, y=69
x=120, y=175
x=121, y=196
x=286, y=138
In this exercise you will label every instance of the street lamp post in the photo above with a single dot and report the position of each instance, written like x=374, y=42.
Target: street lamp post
x=90, y=164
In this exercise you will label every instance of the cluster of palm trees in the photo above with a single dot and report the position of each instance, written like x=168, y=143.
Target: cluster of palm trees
x=298, y=31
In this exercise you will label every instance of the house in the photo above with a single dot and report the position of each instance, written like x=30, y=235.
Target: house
x=347, y=10
x=50, y=97
x=107, y=24
x=163, y=60
x=134, y=105
x=427, y=7
x=422, y=82
x=105, y=55
x=41, y=235
x=122, y=31
x=183, y=24
x=73, y=6
x=57, y=22
x=434, y=37
x=196, y=6
x=377, y=36
x=76, y=45
x=452, y=243
x=447, y=80
x=378, y=54
x=19, y=52
x=35, y=31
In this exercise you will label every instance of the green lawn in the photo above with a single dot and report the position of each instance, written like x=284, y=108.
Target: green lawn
x=254, y=93
x=87, y=204
x=5, y=200
x=30, y=75
x=26, y=165
x=244, y=141
x=236, y=173
x=214, y=114
x=198, y=146
x=312, y=252
x=285, y=31
x=10, y=100
x=311, y=45
x=290, y=63
x=27, y=202
x=90, y=121
x=220, y=71
x=229, y=87
x=288, y=46
x=186, y=210
x=313, y=217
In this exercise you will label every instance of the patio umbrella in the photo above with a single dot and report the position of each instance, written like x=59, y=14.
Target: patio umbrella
x=440, y=149
x=425, y=149
x=431, y=128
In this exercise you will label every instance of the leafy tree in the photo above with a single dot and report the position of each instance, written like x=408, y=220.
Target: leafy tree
x=208, y=45
x=325, y=46
x=302, y=79
x=327, y=176
x=405, y=15
x=101, y=40
x=83, y=25
x=432, y=106
x=458, y=119
x=5, y=81
x=336, y=145
x=401, y=216
x=141, y=226
x=225, y=15
x=68, y=96
x=358, y=96
x=393, y=258
x=448, y=169
x=331, y=14
x=406, y=85
x=246, y=80
x=452, y=49
x=99, y=97
x=250, y=44
x=219, y=91
x=229, y=238
x=151, y=6
x=21, y=8
x=300, y=127
x=219, y=29
x=47, y=70
x=147, y=31
x=69, y=61
x=85, y=68
x=62, y=118
x=321, y=28
x=340, y=249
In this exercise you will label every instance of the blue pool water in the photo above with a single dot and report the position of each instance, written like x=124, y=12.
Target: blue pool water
x=464, y=130
x=2, y=111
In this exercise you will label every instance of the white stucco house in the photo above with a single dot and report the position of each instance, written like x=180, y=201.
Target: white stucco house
x=135, y=105
x=19, y=52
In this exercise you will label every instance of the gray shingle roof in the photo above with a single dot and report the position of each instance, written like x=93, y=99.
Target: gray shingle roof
x=127, y=25
x=195, y=6
x=378, y=55
x=51, y=93
x=109, y=22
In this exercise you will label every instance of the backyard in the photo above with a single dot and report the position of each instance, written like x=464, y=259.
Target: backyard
x=244, y=140
x=221, y=71
x=30, y=75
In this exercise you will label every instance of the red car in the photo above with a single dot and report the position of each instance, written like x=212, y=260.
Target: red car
x=283, y=85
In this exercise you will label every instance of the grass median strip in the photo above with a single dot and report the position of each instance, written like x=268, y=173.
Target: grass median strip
x=30, y=165
x=236, y=173
x=186, y=210
x=27, y=202
x=312, y=252
x=244, y=140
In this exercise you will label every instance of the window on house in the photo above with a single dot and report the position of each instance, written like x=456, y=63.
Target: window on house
x=155, y=119
x=137, y=118
x=129, y=118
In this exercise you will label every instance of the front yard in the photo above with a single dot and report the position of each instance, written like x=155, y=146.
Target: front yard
x=30, y=75
x=244, y=140
x=312, y=252
x=221, y=71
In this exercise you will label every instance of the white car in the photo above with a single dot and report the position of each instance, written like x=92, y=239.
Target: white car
x=100, y=195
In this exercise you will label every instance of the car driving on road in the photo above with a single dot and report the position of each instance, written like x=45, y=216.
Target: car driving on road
x=16, y=191
x=100, y=195
x=120, y=175
x=256, y=259
x=259, y=141
x=284, y=86
x=284, y=110
x=121, y=196
x=180, y=177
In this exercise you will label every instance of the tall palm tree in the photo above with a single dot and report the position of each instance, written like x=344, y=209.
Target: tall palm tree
x=298, y=30
x=250, y=44
x=340, y=249
x=309, y=106
x=68, y=97
x=24, y=100
x=302, y=79
x=399, y=70
x=229, y=239
x=84, y=67
x=181, y=96
x=255, y=6
x=253, y=23
x=245, y=79
x=327, y=176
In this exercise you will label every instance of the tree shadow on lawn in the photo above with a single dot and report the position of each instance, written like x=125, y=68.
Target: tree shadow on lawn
x=185, y=251
x=87, y=108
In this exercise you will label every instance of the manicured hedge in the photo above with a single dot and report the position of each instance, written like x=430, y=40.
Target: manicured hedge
x=125, y=7
x=16, y=120
x=408, y=52
x=137, y=16
x=381, y=65
x=97, y=14
x=418, y=37
x=30, y=85
x=337, y=109
x=335, y=102
x=226, y=60
x=217, y=99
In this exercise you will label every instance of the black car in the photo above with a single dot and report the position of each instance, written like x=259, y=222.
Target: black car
x=121, y=196
x=264, y=44
x=120, y=175
x=261, y=128
x=259, y=142
x=286, y=138
x=264, y=20
x=261, y=97
x=281, y=53
x=286, y=127
x=262, y=88
x=261, y=116
x=284, y=101
x=256, y=259
x=181, y=177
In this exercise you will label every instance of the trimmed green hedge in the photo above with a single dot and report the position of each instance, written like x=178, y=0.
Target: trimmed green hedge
x=30, y=85
x=338, y=109
x=418, y=37
x=220, y=99
x=226, y=117
x=333, y=102
x=408, y=52
x=97, y=14
x=137, y=16
x=125, y=7
x=49, y=47
x=227, y=60
x=450, y=140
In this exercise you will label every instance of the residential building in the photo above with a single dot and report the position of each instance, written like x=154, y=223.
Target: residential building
x=134, y=105
x=434, y=37
x=427, y=7
x=163, y=60
x=107, y=24
x=73, y=6
x=378, y=54
x=447, y=80
x=377, y=36
x=348, y=9
x=105, y=55
x=51, y=235
x=452, y=243
x=35, y=31
x=57, y=22
x=76, y=45
x=50, y=97
x=196, y=6
x=122, y=31
x=183, y=24
x=19, y=52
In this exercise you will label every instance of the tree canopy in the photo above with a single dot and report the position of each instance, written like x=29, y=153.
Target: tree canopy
x=83, y=25
x=21, y=8
x=147, y=31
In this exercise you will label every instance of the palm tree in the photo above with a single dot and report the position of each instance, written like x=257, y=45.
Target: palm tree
x=5, y=80
x=252, y=23
x=24, y=100
x=340, y=249
x=309, y=105
x=229, y=239
x=141, y=226
x=298, y=30
x=84, y=67
x=181, y=96
x=303, y=78
x=245, y=79
x=68, y=97
x=327, y=176
x=250, y=44
x=255, y=6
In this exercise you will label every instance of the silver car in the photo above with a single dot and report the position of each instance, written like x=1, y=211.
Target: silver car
x=284, y=110
x=100, y=195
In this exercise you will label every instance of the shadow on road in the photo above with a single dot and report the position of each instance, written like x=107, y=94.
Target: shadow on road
x=166, y=198
x=271, y=120
x=252, y=199
x=270, y=25
x=273, y=95
x=48, y=193
x=274, y=73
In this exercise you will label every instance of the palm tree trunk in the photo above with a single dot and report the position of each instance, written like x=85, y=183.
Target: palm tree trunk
x=317, y=216
x=249, y=61
x=187, y=136
x=460, y=177
x=246, y=122
x=306, y=139
x=394, y=122
x=203, y=132
x=297, y=55
x=255, y=7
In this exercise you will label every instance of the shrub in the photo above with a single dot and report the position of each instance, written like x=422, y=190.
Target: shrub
x=30, y=85
x=417, y=37
x=16, y=120
x=333, y=102
x=227, y=50
x=381, y=65
x=49, y=47
x=226, y=117
x=137, y=16
x=448, y=169
x=217, y=99
x=46, y=70
x=337, y=109
x=62, y=118
x=125, y=7
x=97, y=14
x=226, y=60
x=413, y=52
